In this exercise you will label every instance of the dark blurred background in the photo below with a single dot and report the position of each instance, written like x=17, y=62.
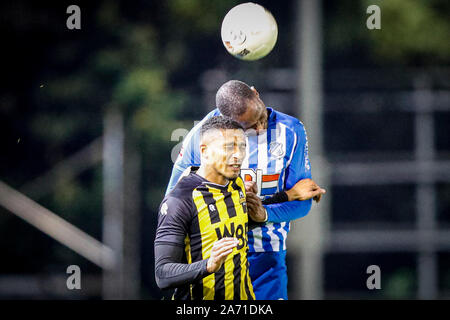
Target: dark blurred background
x=111, y=102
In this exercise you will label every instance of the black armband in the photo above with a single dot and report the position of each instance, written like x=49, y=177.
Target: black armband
x=277, y=198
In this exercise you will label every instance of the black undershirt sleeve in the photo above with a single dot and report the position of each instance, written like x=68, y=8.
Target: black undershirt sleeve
x=170, y=272
x=277, y=198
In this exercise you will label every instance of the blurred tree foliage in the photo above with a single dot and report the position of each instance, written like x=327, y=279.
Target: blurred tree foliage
x=401, y=284
x=59, y=82
x=144, y=58
x=413, y=33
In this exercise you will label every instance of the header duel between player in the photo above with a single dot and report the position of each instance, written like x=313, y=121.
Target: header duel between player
x=214, y=226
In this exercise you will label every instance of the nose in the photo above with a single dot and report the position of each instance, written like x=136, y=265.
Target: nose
x=238, y=154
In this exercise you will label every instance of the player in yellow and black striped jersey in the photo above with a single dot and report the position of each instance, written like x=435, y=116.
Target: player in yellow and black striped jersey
x=194, y=247
x=215, y=212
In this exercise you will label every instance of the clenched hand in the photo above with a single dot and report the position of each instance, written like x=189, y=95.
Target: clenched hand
x=305, y=189
x=256, y=211
x=219, y=252
x=250, y=186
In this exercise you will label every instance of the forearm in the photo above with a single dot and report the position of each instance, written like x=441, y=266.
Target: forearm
x=287, y=211
x=170, y=272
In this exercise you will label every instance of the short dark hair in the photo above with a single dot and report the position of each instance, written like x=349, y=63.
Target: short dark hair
x=219, y=122
x=233, y=97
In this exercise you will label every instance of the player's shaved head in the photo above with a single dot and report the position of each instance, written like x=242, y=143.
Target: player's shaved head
x=233, y=97
x=217, y=123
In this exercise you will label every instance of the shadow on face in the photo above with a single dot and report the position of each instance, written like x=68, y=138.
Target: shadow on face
x=223, y=152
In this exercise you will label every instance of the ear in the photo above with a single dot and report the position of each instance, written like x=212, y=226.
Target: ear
x=203, y=150
x=254, y=90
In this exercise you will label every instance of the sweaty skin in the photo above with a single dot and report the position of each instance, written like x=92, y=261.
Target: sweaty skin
x=222, y=153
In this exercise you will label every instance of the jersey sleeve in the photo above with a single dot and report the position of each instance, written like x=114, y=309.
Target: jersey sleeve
x=174, y=220
x=189, y=154
x=298, y=168
x=171, y=270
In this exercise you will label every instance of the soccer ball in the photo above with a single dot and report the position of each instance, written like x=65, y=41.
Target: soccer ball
x=249, y=31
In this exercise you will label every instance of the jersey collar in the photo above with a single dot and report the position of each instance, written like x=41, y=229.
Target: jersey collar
x=207, y=182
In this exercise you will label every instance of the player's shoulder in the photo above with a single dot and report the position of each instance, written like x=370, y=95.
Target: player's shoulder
x=292, y=124
x=188, y=182
x=211, y=114
x=196, y=129
x=179, y=200
x=286, y=119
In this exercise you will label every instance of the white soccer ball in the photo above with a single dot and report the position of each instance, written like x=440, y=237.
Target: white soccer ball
x=249, y=31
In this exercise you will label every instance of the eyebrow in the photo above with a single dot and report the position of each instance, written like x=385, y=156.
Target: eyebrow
x=232, y=143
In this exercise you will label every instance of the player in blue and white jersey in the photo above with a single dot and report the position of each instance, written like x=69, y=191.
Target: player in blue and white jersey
x=277, y=162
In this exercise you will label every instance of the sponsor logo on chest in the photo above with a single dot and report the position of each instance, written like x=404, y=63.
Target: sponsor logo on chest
x=266, y=183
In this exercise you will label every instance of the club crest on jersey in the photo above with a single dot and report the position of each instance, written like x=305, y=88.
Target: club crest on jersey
x=267, y=184
x=276, y=149
x=164, y=209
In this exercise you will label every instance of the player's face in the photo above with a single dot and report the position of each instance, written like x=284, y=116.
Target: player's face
x=226, y=153
x=255, y=118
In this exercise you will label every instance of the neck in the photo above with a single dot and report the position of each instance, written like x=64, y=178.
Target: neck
x=211, y=175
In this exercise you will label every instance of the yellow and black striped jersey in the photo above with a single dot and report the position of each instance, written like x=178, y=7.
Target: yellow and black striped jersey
x=196, y=214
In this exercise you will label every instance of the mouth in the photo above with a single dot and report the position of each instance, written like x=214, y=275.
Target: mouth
x=235, y=167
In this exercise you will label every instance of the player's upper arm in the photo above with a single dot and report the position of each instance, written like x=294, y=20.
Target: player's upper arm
x=297, y=169
x=299, y=166
x=188, y=156
x=174, y=218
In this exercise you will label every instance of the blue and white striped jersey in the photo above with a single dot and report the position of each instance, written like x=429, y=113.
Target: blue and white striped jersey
x=276, y=159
